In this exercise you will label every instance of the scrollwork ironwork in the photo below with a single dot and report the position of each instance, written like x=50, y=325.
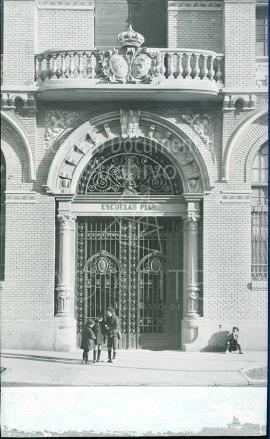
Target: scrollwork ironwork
x=130, y=173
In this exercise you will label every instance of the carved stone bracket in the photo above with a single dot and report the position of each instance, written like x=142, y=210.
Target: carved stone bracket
x=239, y=102
x=18, y=101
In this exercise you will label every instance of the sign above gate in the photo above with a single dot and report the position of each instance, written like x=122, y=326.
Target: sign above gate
x=163, y=207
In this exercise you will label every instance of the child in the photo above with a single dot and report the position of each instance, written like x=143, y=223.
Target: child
x=100, y=334
x=88, y=339
x=233, y=341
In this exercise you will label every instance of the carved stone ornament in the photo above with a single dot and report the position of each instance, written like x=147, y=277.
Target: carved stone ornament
x=239, y=103
x=129, y=63
x=18, y=101
x=202, y=124
x=56, y=122
x=129, y=121
x=65, y=221
x=192, y=222
x=63, y=294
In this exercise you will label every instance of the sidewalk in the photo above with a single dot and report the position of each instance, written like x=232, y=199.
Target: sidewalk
x=141, y=367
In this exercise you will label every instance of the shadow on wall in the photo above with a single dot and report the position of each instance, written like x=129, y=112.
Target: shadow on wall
x=217, y=342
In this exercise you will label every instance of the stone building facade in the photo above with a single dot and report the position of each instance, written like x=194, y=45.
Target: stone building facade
x=134, y=171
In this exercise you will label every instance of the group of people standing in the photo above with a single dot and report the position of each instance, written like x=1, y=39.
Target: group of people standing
x=95, y=333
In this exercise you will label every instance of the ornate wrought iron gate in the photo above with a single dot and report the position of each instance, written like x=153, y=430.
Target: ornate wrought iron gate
x=134, y=265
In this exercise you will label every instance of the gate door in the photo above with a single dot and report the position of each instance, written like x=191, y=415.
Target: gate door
x=134, y=265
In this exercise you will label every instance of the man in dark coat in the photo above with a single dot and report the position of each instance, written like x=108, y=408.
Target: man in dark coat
x=100, y=333
x=113, y=333
x=88, y=339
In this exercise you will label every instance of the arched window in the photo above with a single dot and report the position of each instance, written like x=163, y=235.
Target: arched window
x=2, y=215
x=259, y=214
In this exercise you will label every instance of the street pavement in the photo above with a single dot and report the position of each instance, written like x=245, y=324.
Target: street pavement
x=132, y=367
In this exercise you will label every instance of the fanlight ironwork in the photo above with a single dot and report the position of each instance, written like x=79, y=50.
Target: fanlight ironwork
x=130, y=172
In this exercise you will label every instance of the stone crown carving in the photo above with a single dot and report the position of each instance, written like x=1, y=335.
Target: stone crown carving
x=129, y=63
x=130, y=38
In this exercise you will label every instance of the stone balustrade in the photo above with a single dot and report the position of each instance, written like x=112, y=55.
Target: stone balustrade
x=143, y=66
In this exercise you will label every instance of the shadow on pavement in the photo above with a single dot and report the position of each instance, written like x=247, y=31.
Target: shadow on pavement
x=30, y=357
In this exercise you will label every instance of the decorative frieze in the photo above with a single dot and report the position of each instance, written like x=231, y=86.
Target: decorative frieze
x=239, y=102
x=56, y=122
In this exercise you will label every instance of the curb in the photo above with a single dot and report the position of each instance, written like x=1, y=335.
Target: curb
x=253, y=382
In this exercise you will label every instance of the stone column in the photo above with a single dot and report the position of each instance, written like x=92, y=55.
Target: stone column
x=64, y=288
x=192, y=283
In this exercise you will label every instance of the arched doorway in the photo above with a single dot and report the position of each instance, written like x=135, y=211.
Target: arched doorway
x=131, y=262
x=152, y=190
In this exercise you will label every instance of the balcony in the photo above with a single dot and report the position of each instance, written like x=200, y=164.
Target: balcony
x=173, y=72
x=129, y=72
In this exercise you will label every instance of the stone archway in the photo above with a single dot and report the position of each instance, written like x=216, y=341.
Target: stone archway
x=79, y=147
x=23, y=141
x=71, y=161
x=242, y=145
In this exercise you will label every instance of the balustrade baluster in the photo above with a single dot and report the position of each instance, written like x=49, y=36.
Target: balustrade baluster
x=219, y=70
x=93, y=63
x=67, y=65
x=83, y=65
x=76, y=64
x=63, y=67
x=47, y=74
x=179, y=71
x=80, y=65
x=71, y=66
x=204, y=67
x=162, y=65
x=188, y=65
x=196, y=69
x=170, y=66
x=39, y=72
x=211, y=71
x=58, y=65
x=54, y=67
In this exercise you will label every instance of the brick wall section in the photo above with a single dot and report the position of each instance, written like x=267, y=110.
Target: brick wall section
x=240, y=42
x=20, y=18
x=65, y=29
x=227, y=260
x=29, y=261
x=195, y=29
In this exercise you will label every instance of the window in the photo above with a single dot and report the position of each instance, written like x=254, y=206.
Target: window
x=148, y=17
x=2, y=215
x=259, y=212
x=261, y=32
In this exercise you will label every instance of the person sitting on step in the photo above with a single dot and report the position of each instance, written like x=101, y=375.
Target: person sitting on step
x=100, y=333
x=113, y=333
x=233, y=341
x=88, y=339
